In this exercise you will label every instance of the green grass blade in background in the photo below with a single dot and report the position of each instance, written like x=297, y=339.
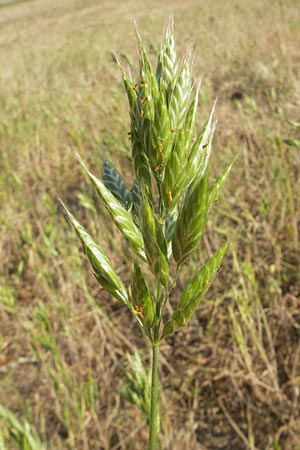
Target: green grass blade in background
x=22, y=434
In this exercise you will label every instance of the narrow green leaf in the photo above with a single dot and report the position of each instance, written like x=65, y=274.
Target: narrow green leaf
x=118, y=213
x=102, y=267
x=141, y=297
x=194, y=292
x=116, y=184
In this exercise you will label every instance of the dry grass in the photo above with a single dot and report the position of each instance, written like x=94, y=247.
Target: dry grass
x=231, y=379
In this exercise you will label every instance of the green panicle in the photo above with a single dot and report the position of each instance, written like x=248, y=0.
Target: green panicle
x=164, y=214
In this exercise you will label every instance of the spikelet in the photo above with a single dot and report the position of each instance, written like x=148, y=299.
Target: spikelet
x=191, y=222
x=194, y=292
x=141, y=297
x=102, y=267
x=167, y=62
x=155, y=244
x=180, y=93
x=116, y=184
x=121, y=217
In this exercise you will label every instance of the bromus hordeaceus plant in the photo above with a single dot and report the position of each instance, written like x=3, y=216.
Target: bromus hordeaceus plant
x=163, y=215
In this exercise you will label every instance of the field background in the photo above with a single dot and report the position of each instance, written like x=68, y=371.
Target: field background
x=231, y=379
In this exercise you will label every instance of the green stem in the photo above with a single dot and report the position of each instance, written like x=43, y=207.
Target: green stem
x=154, y=408
x=168, y=292
x=154, y=416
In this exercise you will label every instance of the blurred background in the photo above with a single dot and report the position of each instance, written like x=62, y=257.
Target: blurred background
x=231, y=377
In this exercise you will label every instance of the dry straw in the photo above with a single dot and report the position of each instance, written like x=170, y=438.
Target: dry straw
x=162, y=216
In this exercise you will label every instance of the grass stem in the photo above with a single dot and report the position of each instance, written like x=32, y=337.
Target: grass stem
x=154, y=417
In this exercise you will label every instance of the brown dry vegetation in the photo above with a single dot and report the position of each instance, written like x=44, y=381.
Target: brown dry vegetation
x=230, y=379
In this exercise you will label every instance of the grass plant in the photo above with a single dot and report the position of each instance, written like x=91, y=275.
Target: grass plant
x=163, y=214
x=63, y=341
x=22, y=434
